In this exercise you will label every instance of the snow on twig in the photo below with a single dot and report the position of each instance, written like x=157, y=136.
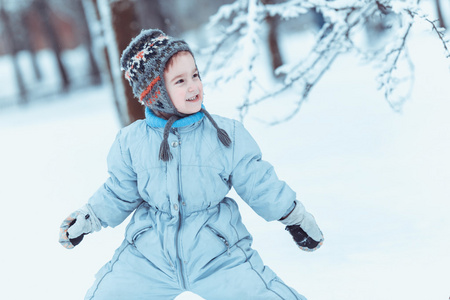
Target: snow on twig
x=235, y=51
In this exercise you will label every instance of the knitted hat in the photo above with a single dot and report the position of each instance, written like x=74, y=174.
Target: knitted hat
x=144, y=61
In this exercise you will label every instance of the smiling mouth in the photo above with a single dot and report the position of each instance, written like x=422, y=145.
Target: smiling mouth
x=194, y=98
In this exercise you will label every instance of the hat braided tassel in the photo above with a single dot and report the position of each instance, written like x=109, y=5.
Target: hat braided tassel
x=221, y=134
x=223, y=137
x=164, y=149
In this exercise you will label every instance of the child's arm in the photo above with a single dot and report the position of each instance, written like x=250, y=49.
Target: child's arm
x=110, y=204
x=257, y=183
x=255, y=180
x=118, y=196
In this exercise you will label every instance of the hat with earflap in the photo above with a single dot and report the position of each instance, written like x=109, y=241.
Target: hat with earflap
x=144, y=61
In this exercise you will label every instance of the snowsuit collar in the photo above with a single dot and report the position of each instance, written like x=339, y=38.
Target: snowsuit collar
x=154, y=121
x=191, y=121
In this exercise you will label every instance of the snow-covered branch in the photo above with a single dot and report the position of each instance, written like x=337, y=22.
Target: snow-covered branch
x=232, y=55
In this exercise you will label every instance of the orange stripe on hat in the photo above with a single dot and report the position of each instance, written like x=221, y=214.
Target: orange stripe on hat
x=149, y=88
x=140, y=54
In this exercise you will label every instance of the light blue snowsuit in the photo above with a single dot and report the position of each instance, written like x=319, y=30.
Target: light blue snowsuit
x=185, y=233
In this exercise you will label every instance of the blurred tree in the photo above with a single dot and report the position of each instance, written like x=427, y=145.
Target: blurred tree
x=123, y=20
x=43, y=9
x=13, y=49
x=274, y=49
x=85, y=36
x=179, y=14
x=439, y=14
x=31, y=26
x=151, y=15
x=120, y=24
x=28, y=43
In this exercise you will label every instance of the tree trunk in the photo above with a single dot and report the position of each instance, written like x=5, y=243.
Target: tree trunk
x=120, y=26
x=14, y=49
x=86, y=39
x=274, y=49
x=150, y=15
x=29, y=45
x=94, y=17
x=439, y=13
x=44, y=11
x=125, y=25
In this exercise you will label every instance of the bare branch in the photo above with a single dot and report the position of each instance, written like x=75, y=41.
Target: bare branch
x=235, y=51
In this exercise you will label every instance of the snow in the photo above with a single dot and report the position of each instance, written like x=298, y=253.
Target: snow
x=376, y=181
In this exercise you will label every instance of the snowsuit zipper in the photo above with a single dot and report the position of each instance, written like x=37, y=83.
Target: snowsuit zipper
x=221, y=237
x=180, y=214
x=138, y=233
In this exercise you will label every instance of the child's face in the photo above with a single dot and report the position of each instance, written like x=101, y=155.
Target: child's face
x=183, y=84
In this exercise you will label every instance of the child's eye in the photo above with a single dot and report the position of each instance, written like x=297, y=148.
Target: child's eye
x=179, y=81
x=195, y=75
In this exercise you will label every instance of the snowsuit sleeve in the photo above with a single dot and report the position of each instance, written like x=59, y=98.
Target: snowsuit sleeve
x=118, y=196
x=255, y=180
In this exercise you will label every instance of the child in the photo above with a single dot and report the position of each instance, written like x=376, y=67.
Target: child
x=174, y=170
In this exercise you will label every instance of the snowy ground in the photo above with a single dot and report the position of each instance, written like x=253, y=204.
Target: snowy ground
x=377, y=182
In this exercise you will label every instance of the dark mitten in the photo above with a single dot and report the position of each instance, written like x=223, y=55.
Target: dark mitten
x=77, y=225
x=303, y=228
x=304, y=241
x=77, y=240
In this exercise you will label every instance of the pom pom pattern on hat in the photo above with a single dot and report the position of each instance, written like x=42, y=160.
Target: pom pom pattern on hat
x=144, y=61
